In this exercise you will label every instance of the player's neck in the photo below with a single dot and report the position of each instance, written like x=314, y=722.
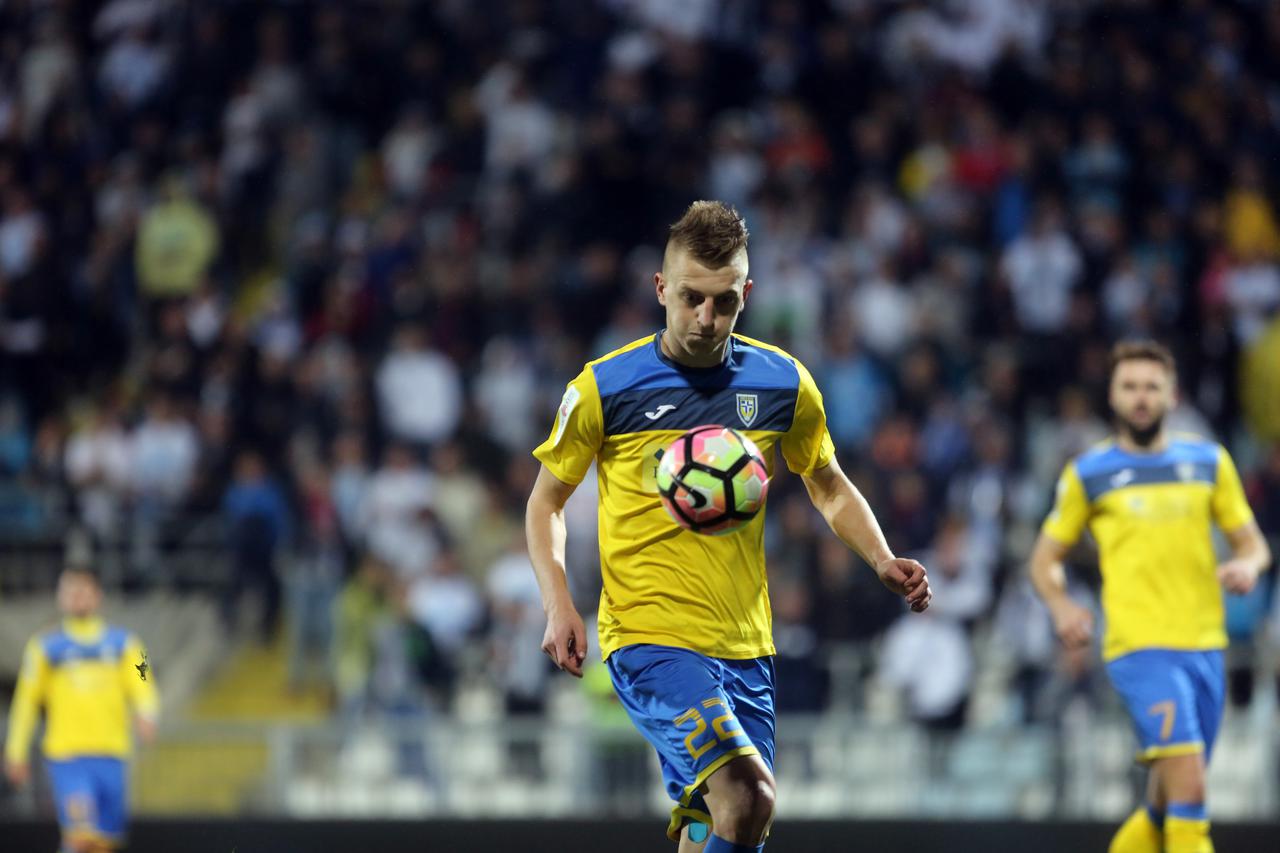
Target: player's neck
x=82, y=626
x=1124, y=440
x=685, y=359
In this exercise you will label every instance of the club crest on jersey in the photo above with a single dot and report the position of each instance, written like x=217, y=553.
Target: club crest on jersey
x=747, y=409
x=1186, y=471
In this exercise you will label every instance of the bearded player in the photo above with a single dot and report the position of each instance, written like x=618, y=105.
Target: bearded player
x=684, y=621
x=1150, y=498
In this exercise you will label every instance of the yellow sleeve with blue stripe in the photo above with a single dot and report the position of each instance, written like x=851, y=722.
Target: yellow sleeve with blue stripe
x=1230, y=506
x=807, y=446
x=578, y=432
x=1070, y=508
x=33, y=682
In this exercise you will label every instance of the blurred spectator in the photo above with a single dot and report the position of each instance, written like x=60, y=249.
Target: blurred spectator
x=361, y=612
x=397, y=515
x=419, y=390
x=23, y=234
x=349, y=483
x=162, y=456
x=448, y=610
x=855, y=389
x=1046, y=677
x=506, y=391
x=100, y=468
x=258, y=523
x=1042, y=267
x=520, y=667
x=937, y=696
x=177, y=241
x=803, y=681
x=462, y=499
x=312, y=579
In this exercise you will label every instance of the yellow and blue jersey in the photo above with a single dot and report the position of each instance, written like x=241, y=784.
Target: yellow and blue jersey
x=1152, y=517
x=662, y=584
x=84, y=675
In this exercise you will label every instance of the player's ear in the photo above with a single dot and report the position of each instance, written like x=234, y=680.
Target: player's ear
x=746, y=288
x=660, y=286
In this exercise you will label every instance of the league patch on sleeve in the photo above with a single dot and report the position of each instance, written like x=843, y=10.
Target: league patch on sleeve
x=571, y=397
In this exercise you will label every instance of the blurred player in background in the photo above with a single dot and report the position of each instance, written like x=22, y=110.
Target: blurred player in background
x=1149, y=499
x=93, y=680
x=684, y=618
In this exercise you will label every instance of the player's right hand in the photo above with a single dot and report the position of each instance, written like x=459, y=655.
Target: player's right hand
x=565, y=640
x=1072, y=623
x=17, y=772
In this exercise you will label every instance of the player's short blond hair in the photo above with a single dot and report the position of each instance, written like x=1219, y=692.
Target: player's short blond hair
x=712, y=232
x=1143, y=350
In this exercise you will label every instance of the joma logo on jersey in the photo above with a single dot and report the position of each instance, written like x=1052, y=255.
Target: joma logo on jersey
x=747, y=409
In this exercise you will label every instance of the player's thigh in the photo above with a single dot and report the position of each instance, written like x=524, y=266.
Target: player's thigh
x=73, y=795
x=111, y=792
x=1162, y=702
x=677, y=700
x=1209, y=682
x=751, y=688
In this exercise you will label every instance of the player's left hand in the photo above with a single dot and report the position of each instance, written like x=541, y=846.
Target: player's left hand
x=906, y=578
x=17, y=772
x=146, y=730
x=1237, y=576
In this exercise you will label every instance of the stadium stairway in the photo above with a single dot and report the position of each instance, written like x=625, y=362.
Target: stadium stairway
x=213, y=759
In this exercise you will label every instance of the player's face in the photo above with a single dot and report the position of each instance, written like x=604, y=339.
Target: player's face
x=702, y=306
x=1142, y=393
x=78, y=594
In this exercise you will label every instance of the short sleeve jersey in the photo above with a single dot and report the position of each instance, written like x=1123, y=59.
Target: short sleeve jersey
x=1152, y=516
x=663, y=584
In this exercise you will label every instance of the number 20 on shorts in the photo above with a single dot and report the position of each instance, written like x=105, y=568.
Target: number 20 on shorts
x=725, y=726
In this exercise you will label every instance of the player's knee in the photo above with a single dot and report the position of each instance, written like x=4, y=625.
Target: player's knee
x=1183, y=780
x=1189, y=790
x=747, y=806
x=759, y=796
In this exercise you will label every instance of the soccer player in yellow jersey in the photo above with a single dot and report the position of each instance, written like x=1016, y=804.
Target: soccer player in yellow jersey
x=684, y=621
x=1149, y=498
x=90, y=678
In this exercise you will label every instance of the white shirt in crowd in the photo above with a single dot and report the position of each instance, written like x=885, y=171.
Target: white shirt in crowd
x=1042, y=270
x=419, y=394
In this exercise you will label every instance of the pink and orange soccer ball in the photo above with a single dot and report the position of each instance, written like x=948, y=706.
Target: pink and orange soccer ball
x=712, y=480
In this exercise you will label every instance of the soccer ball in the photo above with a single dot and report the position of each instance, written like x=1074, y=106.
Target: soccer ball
x=712, y=479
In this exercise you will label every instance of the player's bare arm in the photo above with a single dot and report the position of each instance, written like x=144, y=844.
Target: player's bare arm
x=850, y=517
x=565, y=640
x=1072, y=622
x=1250, y=557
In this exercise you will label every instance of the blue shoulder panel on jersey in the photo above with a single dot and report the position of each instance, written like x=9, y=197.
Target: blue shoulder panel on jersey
x=115, y=639
x=59, y=647
x=1183, y=461
x=641, y=389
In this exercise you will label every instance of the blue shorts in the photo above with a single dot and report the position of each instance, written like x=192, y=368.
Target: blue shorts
x=91, y=795
x=1175, y=699
x=698, y=712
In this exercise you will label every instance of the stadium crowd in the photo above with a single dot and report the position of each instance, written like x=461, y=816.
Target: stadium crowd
x=323, y=271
